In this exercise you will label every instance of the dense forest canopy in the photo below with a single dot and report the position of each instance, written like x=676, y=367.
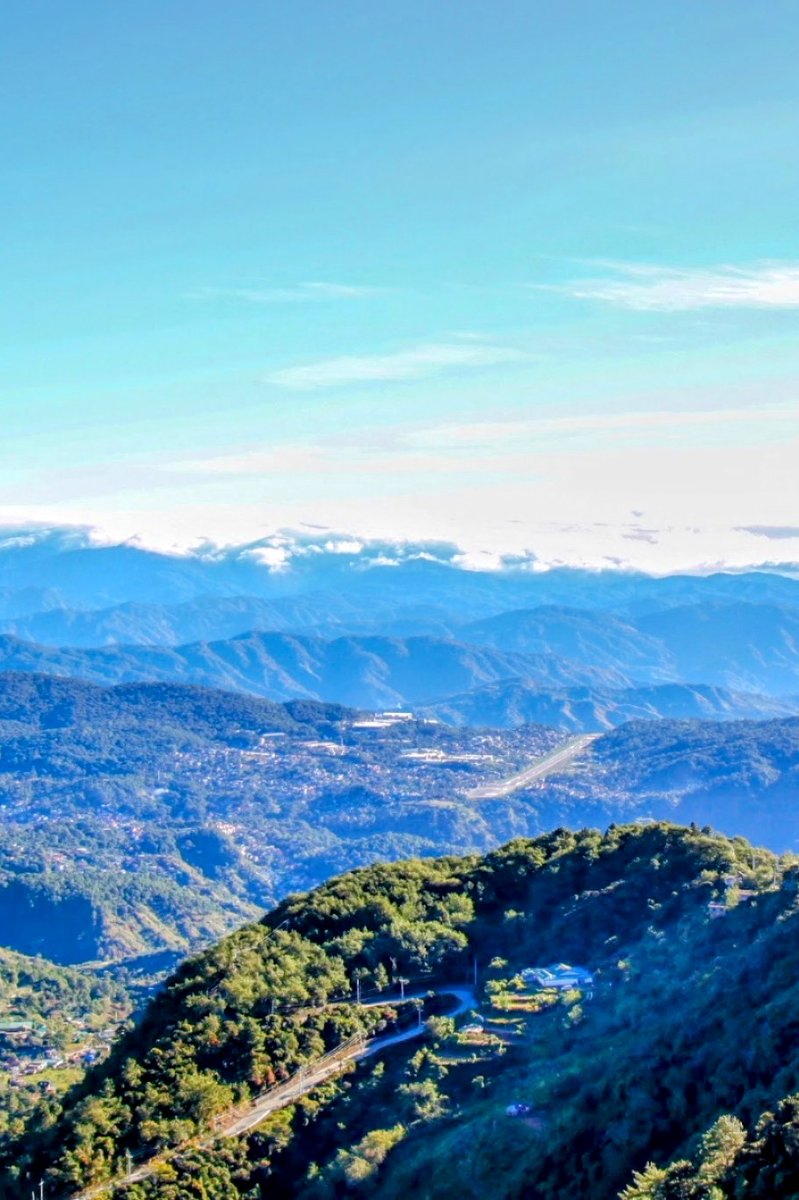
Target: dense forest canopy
x=689, y=1019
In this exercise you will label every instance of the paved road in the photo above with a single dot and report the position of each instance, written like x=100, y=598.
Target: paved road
x=555, y=760
x=298, y=1085
x=280, y=1097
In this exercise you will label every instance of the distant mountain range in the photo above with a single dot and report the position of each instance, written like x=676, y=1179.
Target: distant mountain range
x=42, y=570
x=375, y=625
x=512, y=703
x=365, y=672
x=740, y=645
x=571, y=669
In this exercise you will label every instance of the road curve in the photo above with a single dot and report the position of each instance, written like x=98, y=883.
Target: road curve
x=553, y=761
x=299, y=1085
x=312, y=1077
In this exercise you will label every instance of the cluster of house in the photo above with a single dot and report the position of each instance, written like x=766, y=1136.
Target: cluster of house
x=383, y=720
x=561, y=976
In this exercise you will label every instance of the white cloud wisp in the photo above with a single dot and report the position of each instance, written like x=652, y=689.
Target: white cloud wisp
x=415, y=362
x=648, y=287
x=311, y=291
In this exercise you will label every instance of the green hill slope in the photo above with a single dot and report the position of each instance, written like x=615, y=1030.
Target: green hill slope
x=687, y=1018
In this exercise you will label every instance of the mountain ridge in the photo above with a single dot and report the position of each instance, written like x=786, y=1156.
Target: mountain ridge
x=378, y=671
x=509, y=704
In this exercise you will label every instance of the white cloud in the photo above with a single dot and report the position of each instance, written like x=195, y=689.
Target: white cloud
x=650, y=288
x=302, y=292
x=415, y=362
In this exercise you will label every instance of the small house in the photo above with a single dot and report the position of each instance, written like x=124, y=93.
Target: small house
x=561, y=976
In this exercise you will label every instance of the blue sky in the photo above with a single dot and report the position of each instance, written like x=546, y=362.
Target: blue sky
x=519, y=274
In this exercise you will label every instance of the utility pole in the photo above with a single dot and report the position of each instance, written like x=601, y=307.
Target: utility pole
x=357, y=989
x=128, y=1160
x=41, y=1189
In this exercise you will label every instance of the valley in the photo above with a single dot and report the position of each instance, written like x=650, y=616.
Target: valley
x=146, y=820
x=185, y=828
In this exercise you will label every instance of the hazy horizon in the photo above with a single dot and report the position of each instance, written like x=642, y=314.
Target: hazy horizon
x=283, y=549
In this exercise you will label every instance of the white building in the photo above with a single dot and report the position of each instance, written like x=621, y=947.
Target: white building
x=558, y=975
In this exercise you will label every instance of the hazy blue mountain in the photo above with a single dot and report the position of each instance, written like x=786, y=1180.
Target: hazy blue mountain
x=740, y=646
x=369, y=672
x=376, y=579
x=607, y=657
x=752, y=647
x=211, y=618
x=377, y=624
x=215, y=618
x=509, y=704
x=16, y=603
x=597, y=639
x=87, y=576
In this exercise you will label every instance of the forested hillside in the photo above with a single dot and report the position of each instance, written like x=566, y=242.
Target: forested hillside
x=741, y=777
x=688, y=1017
x=151, y=818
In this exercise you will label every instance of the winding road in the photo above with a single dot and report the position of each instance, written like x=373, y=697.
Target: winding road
x=312, y=1076
x=304, y=1081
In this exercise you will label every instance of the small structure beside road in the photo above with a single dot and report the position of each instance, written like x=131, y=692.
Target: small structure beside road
x=560, y=976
